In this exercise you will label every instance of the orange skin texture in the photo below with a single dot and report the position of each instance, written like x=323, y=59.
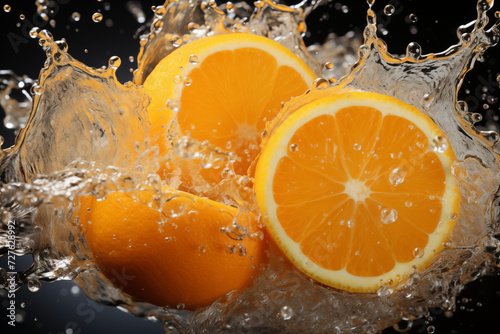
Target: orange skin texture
x=177, y=261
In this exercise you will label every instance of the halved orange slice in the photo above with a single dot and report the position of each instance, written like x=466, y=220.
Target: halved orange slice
x=356, y=189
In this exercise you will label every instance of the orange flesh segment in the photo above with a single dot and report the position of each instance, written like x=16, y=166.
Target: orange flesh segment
x=332, y=218
x=231, y=114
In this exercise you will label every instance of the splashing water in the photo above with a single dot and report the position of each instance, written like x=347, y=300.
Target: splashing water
x=83, y=146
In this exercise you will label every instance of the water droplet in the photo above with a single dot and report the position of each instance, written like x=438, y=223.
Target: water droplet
x=286, y=312
x=242, y=251
x=413, y=18
x=114, y=62
x=384, y=291
x=75, y=290
x=177, y=79
x=350, y=223
x=440, y=144
x=34, y=32
x=294, y=147
x=356, y=147
x=97, y=17
x=388, y=216
x=418, y=252
x=176, y=40
x=75, y=16
x=431, y=329
x=329, y=66
x=131, y=59
x=453, y=216
x=413, y=51
x=37, y=89
x=22, y=17
x=321, y=83
x=181, y=306
x=168, y=239
x=397, y=176
x=201, y=249
x=187, y=81
x=345, y=9
x=7, y=8
x=408, y=204
x=389, y=10
x=193, y=26
x=193, y=59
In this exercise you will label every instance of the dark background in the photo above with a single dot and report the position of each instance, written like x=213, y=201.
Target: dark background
x=61, y=307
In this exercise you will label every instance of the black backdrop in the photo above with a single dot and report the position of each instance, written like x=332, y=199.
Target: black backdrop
x=61, y=307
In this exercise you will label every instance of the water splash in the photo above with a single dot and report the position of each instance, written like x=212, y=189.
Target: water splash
x=186, y=21
x=85, y=146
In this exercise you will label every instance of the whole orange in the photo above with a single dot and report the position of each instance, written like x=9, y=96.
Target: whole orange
x=171, y=251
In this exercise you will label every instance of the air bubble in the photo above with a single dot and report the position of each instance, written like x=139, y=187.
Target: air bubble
x=397, y=176
x=356, y=147
x=7, y=8
x=97, y=17
x=413, y=18
x=388, y=216
x=389, y=10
